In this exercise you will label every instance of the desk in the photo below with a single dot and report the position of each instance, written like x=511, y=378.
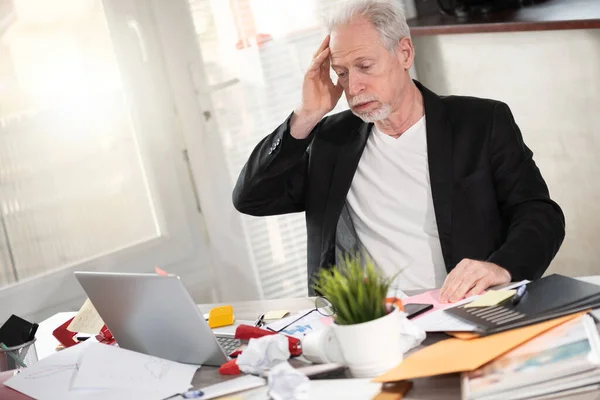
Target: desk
x=435, y=388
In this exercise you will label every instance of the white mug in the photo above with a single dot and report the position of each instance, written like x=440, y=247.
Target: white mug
x=367, y=349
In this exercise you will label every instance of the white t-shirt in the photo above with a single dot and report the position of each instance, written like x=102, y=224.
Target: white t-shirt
x=391, y=206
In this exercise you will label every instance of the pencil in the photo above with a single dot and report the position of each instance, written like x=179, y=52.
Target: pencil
x=12, y=355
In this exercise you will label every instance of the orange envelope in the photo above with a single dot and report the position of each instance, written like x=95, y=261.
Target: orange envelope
x=456, y=355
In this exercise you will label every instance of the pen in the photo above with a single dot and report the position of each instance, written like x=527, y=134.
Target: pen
x=519, y=295
x=192, y=394
x=259, y=322
x=12, y=355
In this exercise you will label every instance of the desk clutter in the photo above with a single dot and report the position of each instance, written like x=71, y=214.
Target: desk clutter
x=536, y=340
x=554, y=348
x=550, y=297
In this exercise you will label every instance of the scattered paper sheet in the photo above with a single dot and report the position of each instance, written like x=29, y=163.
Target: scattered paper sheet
x=87, y=320
x=323, y=389
x=491, y=298
x=277, y=314
x=456, y=355
x=236, y=385
x=51, y=379
x=441, y=321
x=314, y=321
x=106, y=367
x=46, y=343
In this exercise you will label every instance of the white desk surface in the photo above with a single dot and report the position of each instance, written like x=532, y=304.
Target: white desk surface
x=445, y=387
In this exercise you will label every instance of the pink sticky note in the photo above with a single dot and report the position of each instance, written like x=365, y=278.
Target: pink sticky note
x=160, y=271
x=431, y=297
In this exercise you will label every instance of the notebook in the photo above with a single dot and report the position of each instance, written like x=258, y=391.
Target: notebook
x=550, y=297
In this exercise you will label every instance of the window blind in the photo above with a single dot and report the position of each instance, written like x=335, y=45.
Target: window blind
x=255, y=54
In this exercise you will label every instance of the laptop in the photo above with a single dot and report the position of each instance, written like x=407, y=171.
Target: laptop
x=155, y=315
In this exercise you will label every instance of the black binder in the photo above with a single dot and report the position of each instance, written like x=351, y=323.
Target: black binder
x=547, y=298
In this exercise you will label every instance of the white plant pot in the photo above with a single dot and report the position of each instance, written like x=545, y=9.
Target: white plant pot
x=372, y=348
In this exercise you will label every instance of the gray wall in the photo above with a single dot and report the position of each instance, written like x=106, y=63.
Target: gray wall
x=551, y=81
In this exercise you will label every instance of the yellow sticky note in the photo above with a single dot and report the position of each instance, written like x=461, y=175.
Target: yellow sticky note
x=277, y=314
x=491, y=298
x=221, y=316
x=87, y=320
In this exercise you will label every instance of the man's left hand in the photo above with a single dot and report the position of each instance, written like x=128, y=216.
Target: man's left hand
x=471, y=277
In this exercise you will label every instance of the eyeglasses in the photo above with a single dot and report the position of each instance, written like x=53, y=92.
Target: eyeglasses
x=322, y=306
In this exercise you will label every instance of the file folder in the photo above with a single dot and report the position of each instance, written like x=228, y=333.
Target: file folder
x=547, y=298
x=457, y=355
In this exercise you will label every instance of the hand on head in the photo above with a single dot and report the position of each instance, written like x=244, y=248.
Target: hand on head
x=319, y=94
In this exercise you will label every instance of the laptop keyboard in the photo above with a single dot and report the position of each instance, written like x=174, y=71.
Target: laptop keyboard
x=228, y=344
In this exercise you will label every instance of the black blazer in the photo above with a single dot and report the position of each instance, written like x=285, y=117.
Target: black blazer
x=490, y=200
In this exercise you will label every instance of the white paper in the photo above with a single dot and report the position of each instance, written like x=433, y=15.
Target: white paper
x=121, y=394
x=51, y=379
x=236, y=385
x=348, y=389
x=104, y=366
x=45, y=343
x=440, y=321
x=310, y=323
x=594, y=279
x=327, y=389
x=87, y=320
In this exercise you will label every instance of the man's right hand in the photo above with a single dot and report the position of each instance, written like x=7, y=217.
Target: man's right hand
x=319, y=94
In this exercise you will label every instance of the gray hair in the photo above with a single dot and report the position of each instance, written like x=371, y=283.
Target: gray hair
x=387, y=16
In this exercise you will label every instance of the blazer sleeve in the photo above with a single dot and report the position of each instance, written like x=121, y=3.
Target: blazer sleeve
x=535, y=224
x=273, y=180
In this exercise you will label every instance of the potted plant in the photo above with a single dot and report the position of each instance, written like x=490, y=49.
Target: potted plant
x=368, y=332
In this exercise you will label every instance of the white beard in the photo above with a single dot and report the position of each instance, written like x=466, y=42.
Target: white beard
x=369, y=116
x=378, y=114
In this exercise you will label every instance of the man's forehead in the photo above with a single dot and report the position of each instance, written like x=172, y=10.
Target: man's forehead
x=358, y=55
x=353, y=52
x=357, y=39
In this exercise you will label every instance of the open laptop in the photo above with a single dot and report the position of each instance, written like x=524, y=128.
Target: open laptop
x=154, y=315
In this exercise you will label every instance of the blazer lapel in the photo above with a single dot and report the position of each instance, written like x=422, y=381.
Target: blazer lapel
x=343, y=173
x=439, y=153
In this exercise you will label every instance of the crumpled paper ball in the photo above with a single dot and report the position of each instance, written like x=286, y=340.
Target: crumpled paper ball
x=287, y=383
x=263, y=353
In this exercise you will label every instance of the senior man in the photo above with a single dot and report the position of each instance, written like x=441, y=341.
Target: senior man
x=438, y=191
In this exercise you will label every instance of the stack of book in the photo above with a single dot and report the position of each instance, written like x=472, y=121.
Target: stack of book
x=560, y=362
